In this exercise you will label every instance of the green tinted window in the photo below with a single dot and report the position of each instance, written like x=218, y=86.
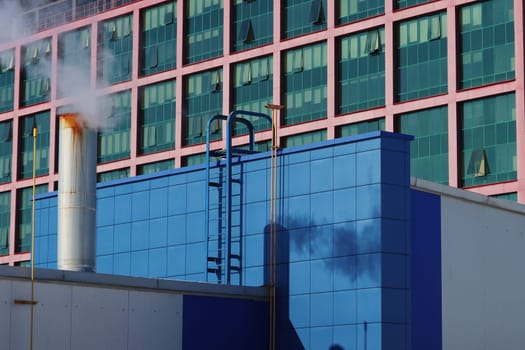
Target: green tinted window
x=25, y=158
x=75, y=60
x=512, y=196
x=6, y=149
x=486, y=43
x=156, y=167
x=113, y=142
x=159, y=38
x=488, y=137
x=194, y=159
x=304, y=139
x=362, y=71
x=203, y=99
x=353, y=10
x=113, y=175
x=261, y=146
x=361, y=127
x=305, y=84
x=23, y=217
x=429, y=149
x=303, y=16
x=114, y=51
x=422, y=57
x=252, y=24
x=204, y=30
x=5, y=215
x=7, y=80
x=252, y=90
x=36, y=72
x=408, y=3
x=157, y=118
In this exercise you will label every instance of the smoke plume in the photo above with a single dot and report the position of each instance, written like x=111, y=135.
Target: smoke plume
x=73, y=78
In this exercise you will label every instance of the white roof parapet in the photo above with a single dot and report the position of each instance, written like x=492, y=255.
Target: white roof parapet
x=118, y=281
x=439, y=189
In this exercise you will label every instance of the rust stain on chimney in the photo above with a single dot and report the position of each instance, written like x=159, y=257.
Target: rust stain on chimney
x=73, y=121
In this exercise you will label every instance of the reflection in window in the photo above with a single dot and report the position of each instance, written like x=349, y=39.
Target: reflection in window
x=305, y=84
x=75, y=58
x=113, y=175
x=304, y=16
x=25, y=158
x=486, y=43
x=151, y=168
x=113, y=142
x=361, y=127
x=7, y=80
x=5, y=215
x=252, y=23
x=204, y=30
x=362, y=71
x=203, y=99
x=252, y=90
x=429, y=149
x=422, y=57
x=194, y=159
x=114, y=51
x=6, y=149
x=23, y=217
x=305, y=138
x=488, y=137
x=159, y=38
x=36, y=73
x=353, y=10
x=408, y=3
x=157, y=118
x=512, y=196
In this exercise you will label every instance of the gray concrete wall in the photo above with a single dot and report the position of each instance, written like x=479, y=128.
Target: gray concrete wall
x=483, y=270
x=79, y=311
x=85, y=317
x=483, y=278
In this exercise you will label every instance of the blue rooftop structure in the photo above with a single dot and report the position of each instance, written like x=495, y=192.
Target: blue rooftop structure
x=344, y=215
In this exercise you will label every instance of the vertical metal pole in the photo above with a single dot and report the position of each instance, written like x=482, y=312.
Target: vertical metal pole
x=35, y=132
x=229, y=126
x=273, y=225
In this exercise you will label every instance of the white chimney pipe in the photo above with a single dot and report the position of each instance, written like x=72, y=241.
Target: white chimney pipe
x=76, y=195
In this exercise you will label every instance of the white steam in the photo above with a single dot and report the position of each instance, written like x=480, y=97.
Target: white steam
x=11, y=26
x=73, y=79
x=74, y=84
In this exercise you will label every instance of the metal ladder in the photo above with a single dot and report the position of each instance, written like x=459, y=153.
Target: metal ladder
x=223, y=217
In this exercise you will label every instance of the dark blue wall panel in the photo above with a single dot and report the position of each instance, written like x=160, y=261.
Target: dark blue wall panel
x=425, y=272
x=224, y=323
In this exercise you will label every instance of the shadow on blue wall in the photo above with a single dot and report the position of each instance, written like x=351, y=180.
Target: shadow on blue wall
x=322, y=314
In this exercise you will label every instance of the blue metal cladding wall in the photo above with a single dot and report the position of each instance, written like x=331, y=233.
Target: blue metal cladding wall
x=425, y=271
x=343, y=221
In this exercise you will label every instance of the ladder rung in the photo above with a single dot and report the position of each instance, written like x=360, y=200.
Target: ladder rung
x=234, y=152
x=214, y=270
x=235, y=256
x=214, y=184
x=213, y=259
x=235, y=268
x=240, y=151
x=218, y=153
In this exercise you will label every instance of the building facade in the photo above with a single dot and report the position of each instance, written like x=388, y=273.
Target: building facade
x=451, y=73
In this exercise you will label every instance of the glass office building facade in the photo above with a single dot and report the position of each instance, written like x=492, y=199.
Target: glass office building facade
x=450, y=74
